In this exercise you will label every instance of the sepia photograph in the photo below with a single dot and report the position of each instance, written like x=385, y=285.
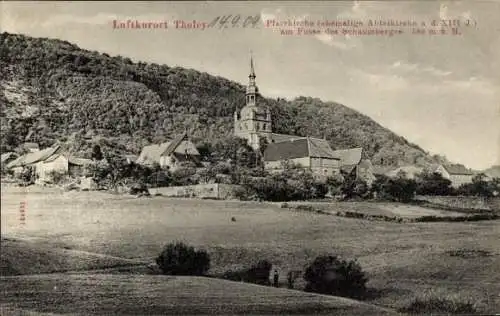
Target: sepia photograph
x=250, y=157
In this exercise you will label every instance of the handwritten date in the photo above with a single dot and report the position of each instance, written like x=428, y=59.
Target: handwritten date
x=234, y=21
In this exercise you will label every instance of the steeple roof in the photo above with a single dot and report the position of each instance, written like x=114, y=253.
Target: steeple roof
x=252, y=70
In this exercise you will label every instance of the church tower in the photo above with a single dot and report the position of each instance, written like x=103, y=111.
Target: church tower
x=252, y=122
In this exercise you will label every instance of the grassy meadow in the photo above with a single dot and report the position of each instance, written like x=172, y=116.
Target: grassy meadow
x=403, y=261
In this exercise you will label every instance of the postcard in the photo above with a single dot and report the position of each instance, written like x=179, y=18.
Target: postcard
x=255, y=157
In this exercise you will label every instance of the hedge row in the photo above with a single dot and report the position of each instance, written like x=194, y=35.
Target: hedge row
x=398, y=219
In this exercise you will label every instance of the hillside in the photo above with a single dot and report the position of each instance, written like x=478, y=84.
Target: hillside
x=102, y=294
x=493, y=172
x=19, y=257
x=52, y=90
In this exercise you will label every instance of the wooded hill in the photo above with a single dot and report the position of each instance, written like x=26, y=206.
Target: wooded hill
x=51, y=90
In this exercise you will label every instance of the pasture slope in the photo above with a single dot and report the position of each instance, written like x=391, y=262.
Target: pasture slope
x=401, y=260
x=102, y=294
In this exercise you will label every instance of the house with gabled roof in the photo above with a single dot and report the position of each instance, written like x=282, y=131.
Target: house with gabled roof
x=48, y=161
x=310, y=153
x=171, y=154
x=458, y=174
x=349, y=158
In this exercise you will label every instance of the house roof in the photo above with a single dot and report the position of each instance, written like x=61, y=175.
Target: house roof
x=34, y=157
x=31, y=145
x=180, y=145
x=174, y=144
x=457, y=169
x=299, y=148
x=366, y=164
x=79, y=161
x=350, y=156
x=278, y=138
x=6, y=156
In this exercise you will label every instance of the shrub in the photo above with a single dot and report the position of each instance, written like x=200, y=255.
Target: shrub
x=398, y=189
x=56, y=176
x=330, y=275
x=181, y=259
x=258, y=274
x=355, y=188
x=291, y=184
x=432, y=184
x=27, y=175
x=439, y=305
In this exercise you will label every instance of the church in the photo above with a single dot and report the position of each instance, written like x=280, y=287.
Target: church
x=254, y=122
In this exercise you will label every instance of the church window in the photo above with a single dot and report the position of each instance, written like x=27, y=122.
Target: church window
x=264, y=126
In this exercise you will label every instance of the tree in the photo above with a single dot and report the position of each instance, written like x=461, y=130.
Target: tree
x=334, y=184
x=180, y=259
x=97, y=153
x=236, y=150
x=480, y=186
x=263, y=143
x=432, y=184
x=355, y=188
x=330, y=275
x=399, y=189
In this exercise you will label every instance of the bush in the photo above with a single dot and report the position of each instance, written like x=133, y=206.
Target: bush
x=330, y=275
x=290, y=185
x=398, y=189
x=258, y=274
x=439, y=305
x=27, y=175
x=181, y=259
x=56, y=176
x=355, y=188
x=432, y=184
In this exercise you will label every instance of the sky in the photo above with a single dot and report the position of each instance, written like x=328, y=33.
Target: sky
x=438, y=91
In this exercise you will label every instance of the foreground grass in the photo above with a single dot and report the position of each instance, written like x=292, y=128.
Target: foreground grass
x=402, y=260
x=23, y=257
x=102, y=294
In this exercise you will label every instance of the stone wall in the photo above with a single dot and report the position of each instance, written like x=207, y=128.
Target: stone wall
x=462, y=202
x=208, y=191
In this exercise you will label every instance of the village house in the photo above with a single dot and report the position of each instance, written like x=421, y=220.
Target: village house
x=456, y=173
x=47, y=162
x=310, y=153
x=171, y=155
x=32, y=159
x=254, y=123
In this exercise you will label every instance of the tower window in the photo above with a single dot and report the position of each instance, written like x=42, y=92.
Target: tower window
x=264, y=126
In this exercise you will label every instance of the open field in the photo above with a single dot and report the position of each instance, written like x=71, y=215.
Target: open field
x=102, y=294
x=402, y=260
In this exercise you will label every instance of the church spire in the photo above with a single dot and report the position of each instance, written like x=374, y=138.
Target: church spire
x=252, y=71
x=252, y=89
